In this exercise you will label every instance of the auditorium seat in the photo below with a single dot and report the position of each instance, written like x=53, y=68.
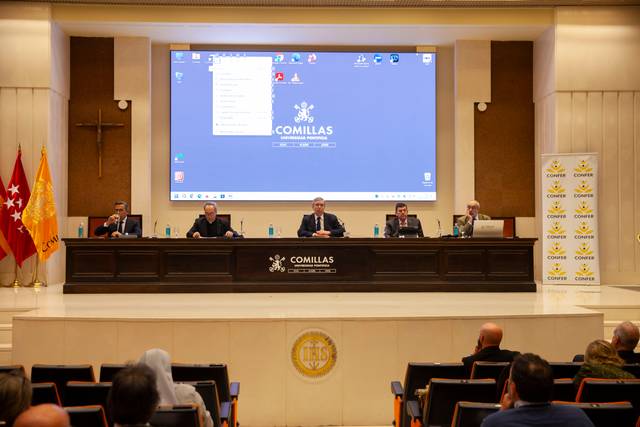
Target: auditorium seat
x=175, y=416
x=108, y=370
x=442, y=398
x=633, y=369
x=80, y=393
x=417, y=376
x=471, y=414
x=618, y=414
x=87, y=416
x=219, y=413
x=564, y=369
x=600, y=390
x=227, y=391
x=61, y=374
x=491, y=370
x=563, y=389
x=5, y=369
x=45, y=393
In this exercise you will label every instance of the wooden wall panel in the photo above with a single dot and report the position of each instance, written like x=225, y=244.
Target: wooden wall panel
x=92, y=89
x=504, y=134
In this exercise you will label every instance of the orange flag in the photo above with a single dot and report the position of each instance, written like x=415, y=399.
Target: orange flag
x=40, y=214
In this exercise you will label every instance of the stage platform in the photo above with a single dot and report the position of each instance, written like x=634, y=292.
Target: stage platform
x=375, y=335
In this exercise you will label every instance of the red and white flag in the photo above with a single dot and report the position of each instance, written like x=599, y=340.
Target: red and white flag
x=16, y=200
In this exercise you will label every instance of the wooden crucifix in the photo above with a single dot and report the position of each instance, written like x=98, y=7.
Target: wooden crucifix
x=99, y=125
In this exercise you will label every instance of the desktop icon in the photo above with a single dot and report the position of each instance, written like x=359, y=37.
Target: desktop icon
x=278, y=58
x=195, y=56
x=279, y=76
x=296, y=57
x=427, y=58
x=427, y=176
x=178, y=176
x=377, y=58
x=312, y=58
x=361, y=59
x=394, y=58
x=179, y=56
x=179, y=158
x=179, y=76
x=295, y=78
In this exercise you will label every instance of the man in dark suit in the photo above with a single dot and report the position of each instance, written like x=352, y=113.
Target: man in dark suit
x=625, y=339
x=488, y=348
x=320, y=223
x=527, y=402
x=209, y=225
x=119, y=223
x=402, y=220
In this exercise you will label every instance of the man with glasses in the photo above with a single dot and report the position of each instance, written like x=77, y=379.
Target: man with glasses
x=119, y=224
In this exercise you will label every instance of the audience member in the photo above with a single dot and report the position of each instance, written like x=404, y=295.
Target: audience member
x=15, y=396
x=133, y=397
x=46, y=415
x=601, y=361
x=624, y=340
x=488, y=348
x=527, y=402
x=174, y=393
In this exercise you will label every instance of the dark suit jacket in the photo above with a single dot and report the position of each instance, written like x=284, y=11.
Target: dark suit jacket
x=330, y=221
x=543, y=414
x=131, y=226
x=488, y=354
x=392, y=229
x=220, y=227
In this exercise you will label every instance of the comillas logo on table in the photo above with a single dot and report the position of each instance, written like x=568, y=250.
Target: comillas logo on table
x=305, y=264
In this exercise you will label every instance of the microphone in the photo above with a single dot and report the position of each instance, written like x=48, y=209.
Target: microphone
x=242, y=226
x=439, y=228
x=346, y=233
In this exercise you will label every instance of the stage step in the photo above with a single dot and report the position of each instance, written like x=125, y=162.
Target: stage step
x=616, y=312
x=5, y=354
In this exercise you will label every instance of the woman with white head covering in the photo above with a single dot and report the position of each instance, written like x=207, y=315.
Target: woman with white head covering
x=174, y=393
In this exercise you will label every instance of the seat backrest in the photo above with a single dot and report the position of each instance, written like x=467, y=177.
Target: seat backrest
x=61, y=374
x=209, y=393
x=182, y=372
x=564, y=369
x=607, y=414
x=491, y=370
x=226, y=218
x=563, y=389
x=418, y=376
x=175, y=416
x=5, y=369
x=87, y=416
x=610, y=390
x=471, y=414
x=388, y=217
x=45, y=393
x=80, y=393
x=445, y=393
x=96, y=221
x=109, y=370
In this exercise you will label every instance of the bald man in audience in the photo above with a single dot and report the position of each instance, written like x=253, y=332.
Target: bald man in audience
x=625, y=340
x=46, y=415
x=488, y=348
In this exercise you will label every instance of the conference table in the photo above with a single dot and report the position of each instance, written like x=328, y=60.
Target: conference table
x=152, y=265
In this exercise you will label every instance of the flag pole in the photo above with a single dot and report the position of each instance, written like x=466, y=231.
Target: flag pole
x=16, y=281
x=36, y=283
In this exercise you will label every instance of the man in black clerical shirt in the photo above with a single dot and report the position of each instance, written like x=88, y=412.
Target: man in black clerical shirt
x=209, y=225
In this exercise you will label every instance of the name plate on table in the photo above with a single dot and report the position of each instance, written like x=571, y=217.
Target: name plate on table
x=290, y=263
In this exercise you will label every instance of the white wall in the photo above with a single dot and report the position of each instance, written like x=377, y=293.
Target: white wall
x=34, y=94
x=587, y=95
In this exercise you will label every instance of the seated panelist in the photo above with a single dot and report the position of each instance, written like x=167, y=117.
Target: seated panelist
x=465, y=222
x=119, y=223
x=402, y=220
x=210, y=225
x=320, y=223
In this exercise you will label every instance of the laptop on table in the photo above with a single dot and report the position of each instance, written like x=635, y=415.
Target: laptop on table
x=488, y=228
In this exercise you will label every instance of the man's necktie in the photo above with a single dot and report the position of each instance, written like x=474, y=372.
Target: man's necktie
x=318, y=225
x=122, y=227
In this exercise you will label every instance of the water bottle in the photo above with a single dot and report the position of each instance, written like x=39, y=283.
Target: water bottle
x=270, y=231
x=167, y=231
x=456, y=230
x=81, y=230
x=376, y=231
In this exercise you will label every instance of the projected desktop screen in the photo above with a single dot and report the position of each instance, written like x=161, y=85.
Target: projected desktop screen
x=296, y=125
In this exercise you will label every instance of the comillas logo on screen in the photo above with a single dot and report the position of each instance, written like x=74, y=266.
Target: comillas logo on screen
x=304, y=119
